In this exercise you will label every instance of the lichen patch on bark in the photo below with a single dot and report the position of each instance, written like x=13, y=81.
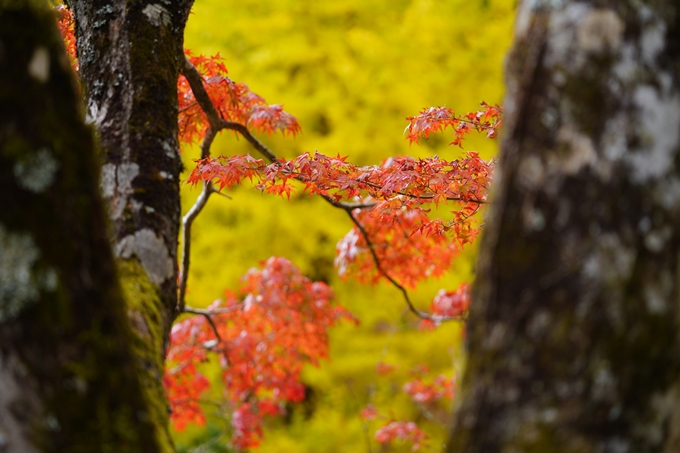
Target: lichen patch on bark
x=652, y=40
x=95, y=114
x=39, y=66
x=659, y=127
x=151, y=251
x=581, y=150
x=116, y=185
x=600, y=31
x=15, y=399
x=157, y=15
x=36, y=172
x=21, y=280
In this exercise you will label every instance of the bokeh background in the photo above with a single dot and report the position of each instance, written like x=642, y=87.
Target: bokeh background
x=350, y=71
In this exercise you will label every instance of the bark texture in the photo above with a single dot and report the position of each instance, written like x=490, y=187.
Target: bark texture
x=574, y=328
x=69, y=381
x=129, y=54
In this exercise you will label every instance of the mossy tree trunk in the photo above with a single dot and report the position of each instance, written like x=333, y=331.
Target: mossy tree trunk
x=575, y=325
x=130, y=54
x=69, y=378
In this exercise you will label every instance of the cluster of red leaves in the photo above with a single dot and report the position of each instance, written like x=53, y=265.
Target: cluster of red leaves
x=234, y=102
x=384, y=369
x=66, y=26
x=391, y=431
x=369, y=412
x=405, y=250
x=228, y=171
x=449, y=304
x=401, y=431
x=437, y=119
x=184, y=385
x=407, y=240
x=423, y=391
x=405, y=179
x=265, y=338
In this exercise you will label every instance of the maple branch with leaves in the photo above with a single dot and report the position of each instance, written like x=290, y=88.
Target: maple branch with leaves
x=217, y=123
x=404, y=292
x=469, y=186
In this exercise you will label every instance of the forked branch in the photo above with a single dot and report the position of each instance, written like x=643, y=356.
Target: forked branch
x=396, y=284
x=217, y=124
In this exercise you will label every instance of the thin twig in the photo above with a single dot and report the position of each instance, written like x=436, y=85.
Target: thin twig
x=188, y=220
x=245, y=133
x=396, y=284
x=212, y=311
x=420, y=197
x=378, y=265
x=208, y=316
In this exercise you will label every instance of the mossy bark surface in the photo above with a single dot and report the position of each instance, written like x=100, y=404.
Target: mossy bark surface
x=574, y=329
x=69, y=378
x=129, y=53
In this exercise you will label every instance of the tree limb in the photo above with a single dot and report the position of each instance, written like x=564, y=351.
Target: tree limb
x=217, y=124
x=396, y=284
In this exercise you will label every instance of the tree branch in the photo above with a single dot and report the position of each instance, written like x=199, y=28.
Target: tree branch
x=217, y=124
x=195, y=80
x=396, y=284
x=188, y=220
x=208, y=316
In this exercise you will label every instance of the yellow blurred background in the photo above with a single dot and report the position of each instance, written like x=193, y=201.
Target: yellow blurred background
x=350, y=71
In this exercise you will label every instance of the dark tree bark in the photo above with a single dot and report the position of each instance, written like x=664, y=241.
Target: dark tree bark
x=129, y=54
x=575, y=323
x=69, y=380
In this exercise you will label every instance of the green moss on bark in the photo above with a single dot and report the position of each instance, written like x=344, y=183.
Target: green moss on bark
x=145, y=306
x=73, y=347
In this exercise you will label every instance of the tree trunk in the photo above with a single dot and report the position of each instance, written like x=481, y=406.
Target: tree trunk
x=574, y=327
x=69, y=381
x=130, y=54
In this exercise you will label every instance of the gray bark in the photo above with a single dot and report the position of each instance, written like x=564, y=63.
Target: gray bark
x=129, y=54
x=69, y=381
x=574, y=327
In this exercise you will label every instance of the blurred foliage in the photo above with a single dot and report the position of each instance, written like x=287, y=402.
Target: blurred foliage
x=350, y=71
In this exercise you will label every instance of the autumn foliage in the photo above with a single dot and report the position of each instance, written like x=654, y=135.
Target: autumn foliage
x=396, y=201
x=423, y=390
x=411, y=218
x=67, y=29
x=261, y=338
x=436, y=119
x=234, y=101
